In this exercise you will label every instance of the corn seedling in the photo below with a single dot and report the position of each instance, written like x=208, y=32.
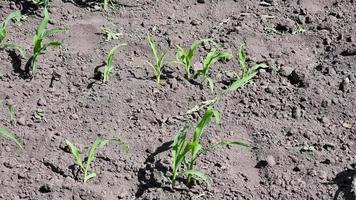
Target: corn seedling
x=106, y=4
x=42, y=33
x=109, y=34
x=184, y=57
x=159, y=58
x=183, y=147
x=85, y=163
x=212, y=57
x=3, y=33
x=108, y=63
x=9, y=136
x=248, y=73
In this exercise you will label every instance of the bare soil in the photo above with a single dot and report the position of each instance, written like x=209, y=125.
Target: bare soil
x=300, y=118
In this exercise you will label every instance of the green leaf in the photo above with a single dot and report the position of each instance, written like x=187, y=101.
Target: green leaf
x=242, y=60
x=18, y=48
x=98, y=144
x=53, y=31
x=210, y=83
x=108, y=64
x=3, y=25
x=217, y=117
x=40, y=31
x=118, y=141
x=8, y=135
x=76, y=154
x=198, y=175
x=90, y=176
x=204, y=121
x=54, y=44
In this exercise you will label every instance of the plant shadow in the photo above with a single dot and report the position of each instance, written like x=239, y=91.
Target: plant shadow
x=343, y=180
x=146, y=174
x=17, y=63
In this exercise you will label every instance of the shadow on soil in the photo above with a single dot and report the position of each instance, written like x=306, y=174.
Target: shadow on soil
x=343, y=180
x=146, y=175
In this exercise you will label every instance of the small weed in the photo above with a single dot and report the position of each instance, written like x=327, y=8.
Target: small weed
x=39, y=114
x=18, y=20
x=159, y=58
x=182, y=147
x=10, y=109
x=212, y=57
x=9, y=136
x=109, y=34
x=108, y=63
x=41, y=34
x=184, y=57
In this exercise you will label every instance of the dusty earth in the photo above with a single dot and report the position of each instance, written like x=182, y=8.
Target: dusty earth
x=299, y=117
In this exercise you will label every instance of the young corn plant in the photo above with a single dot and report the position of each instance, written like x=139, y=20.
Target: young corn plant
x=41, y=34
x=248, y=73
x=158, y=66
x=108, y=63
x=185, y=152
x=85, y=163
x=213, y=56
x=184, y=57
x=9, y=136
x=3, y=33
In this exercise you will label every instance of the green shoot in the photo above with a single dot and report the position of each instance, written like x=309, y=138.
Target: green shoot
x=39, y=114
x=159, y=58
x=85, y=164
x=212, y=57
x=108, y=63
x=248, y=73
x=9, y=136
x=106, y=4
x=10, y=109
x=41, y=34
x=184, y=57
x=182, y=147
x=3, y=24
x=40, y=3
x=109, y=34
x=18, y=20
x=3, y=33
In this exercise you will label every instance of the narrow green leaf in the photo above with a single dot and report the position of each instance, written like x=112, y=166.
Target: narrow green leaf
x=76, y=154
x=97, y=144
x=54, y=44
x=89, y=176
x=18, y=48
x=109, y=60
x=8, y=135
x=204, y=121
x=198, y=175
x=53, y=31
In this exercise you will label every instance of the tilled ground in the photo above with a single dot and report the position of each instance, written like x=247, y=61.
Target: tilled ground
x=299, y=117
